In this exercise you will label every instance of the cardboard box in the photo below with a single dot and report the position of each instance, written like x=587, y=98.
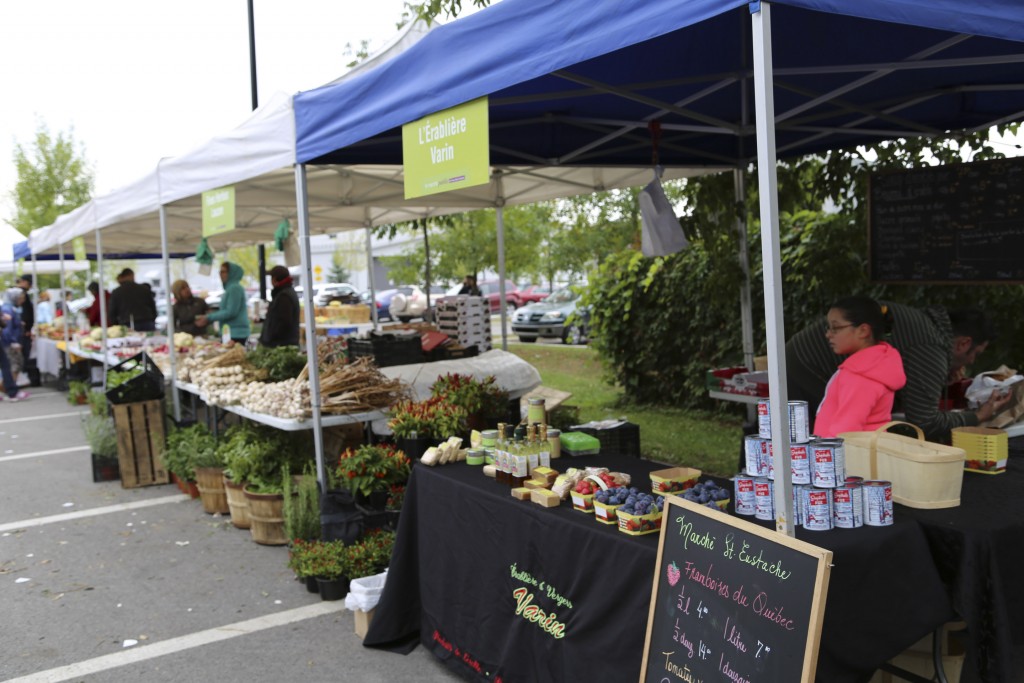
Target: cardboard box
x=363, y=620
x=986, y=449
x=546, y=498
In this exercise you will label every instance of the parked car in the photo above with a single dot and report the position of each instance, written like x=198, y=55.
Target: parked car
x=335, y=291
x=489, y=290
x=559, y=316
x=533, y=293
x=383, y=297
x=407, y=303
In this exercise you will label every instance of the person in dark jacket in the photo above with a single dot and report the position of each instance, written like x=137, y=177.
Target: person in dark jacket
x=281, y=327
x=132, y=304
x=28, y=319
x=186, y=308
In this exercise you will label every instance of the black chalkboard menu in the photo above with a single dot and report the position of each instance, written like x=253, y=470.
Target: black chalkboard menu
x=732, y=601
x=959, y=223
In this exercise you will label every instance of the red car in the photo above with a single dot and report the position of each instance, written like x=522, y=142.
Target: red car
x=533, y=294
x=489, y=290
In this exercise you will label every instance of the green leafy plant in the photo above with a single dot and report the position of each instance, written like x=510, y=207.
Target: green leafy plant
x=433, y=418
x=116, y=378
x=301, y=505
x=78, y=392
x=470, y=394
x=280, y=363
x=370, y=555
x=258, y=455
x=372, y=468
x=188, y=448
x=98, y=403
x=322, y=559
x=101, y=435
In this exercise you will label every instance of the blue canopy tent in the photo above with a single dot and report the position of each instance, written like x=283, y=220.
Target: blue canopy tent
x=578, y=82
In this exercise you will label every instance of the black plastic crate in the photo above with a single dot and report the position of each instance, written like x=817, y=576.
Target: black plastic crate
x=388, y=349
x=146, y=386
x=621, y=440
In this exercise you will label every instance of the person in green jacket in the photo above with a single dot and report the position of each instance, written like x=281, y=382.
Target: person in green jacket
x=233, y=309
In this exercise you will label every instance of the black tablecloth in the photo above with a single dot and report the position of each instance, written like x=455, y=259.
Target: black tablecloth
x=978, y=549
x=465, y=546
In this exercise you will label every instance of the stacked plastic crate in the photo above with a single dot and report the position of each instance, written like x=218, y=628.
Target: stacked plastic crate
x=466, y=320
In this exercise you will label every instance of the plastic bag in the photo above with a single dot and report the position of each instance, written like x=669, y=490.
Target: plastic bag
x=984, y=384
x=364, y=593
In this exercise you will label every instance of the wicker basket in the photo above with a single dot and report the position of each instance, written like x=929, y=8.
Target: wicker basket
x=987, y=449
x=923, y=474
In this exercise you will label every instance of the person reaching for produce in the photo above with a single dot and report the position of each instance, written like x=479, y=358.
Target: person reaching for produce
x=233, y=311
x=860, y=395
x=187, y=308
x=281, y=327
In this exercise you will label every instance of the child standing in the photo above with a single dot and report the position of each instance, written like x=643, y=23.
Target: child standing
x=859, y=396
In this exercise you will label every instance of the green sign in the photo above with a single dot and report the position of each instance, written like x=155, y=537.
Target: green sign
x=78, y=247
x=218, y=211
x=447, y=150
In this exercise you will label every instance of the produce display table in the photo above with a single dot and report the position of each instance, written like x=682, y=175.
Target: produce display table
x=47, y=355
x=285, y=424
x=465, y=547
x=979, y=551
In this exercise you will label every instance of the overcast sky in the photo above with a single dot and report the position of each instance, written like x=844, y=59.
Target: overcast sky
x=137, y=81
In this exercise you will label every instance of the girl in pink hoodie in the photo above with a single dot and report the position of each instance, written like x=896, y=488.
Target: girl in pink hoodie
x=860, y=394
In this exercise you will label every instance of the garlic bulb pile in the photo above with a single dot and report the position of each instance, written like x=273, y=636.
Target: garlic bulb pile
x=288, y=399
x=221, y=386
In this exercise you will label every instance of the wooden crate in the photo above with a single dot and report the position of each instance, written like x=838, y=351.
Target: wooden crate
x=140, y=443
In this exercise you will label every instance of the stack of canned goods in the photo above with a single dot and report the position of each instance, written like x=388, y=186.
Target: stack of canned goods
x=823, y=496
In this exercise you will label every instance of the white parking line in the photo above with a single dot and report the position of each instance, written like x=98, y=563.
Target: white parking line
x=93, y=512
x=167, y=647
x=43, y=417
x=36, y=454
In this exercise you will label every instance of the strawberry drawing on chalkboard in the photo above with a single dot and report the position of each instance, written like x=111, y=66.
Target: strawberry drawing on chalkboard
x=673, y=574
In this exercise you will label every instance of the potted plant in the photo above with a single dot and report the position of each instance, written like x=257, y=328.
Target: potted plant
x=302, y=506
x=326, y=562
x=101, y=436
x=209, y=470
x=417, y=424
x=369, y=471
x=371, y=555
x=483, y=401
x=98, y=404
x=300, y=553
x=78, y=392
x=178, y=455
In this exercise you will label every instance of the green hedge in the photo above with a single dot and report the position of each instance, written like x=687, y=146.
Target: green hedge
x=660, y=324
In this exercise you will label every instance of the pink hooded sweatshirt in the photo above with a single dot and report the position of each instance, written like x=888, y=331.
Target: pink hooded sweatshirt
x=859, y=396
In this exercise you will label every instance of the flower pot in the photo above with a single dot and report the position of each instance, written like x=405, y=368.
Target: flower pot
x=105, y=468
x=237, y=504
x=376, y=500
x=415, y=448
x=266, y=517
x=210, y=482
x=191, y=489
x=312, y=584
x=333, y=589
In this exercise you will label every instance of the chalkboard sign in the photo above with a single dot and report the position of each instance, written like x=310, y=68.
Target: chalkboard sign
x=961, y=223
x=732, y=601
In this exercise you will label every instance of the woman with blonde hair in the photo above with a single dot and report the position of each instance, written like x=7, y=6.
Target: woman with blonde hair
x=186, y=308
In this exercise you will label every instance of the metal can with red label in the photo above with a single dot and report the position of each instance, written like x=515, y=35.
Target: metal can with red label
x=801, y=468
x=764, y=418
x=799, y=422
x=753, y=452
x=745, y=503
x=854, y=480
x=817, y=509
x=878, y=503
x=764, y=499
x=799, y=513
x=848, y=505
x=829, y=463
x=768, y=459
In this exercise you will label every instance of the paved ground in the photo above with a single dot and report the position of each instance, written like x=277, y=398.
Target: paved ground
x=100, y=583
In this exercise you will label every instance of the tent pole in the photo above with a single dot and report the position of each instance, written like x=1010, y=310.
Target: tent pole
x=66, y=311
x=171, y=346
x=369, y=276
x=302, y=201
x=767, y=179
x=103, y=303
x=500, y=203
x=746, y=306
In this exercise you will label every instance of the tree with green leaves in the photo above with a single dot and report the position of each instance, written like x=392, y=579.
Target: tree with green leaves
x=53, y=179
